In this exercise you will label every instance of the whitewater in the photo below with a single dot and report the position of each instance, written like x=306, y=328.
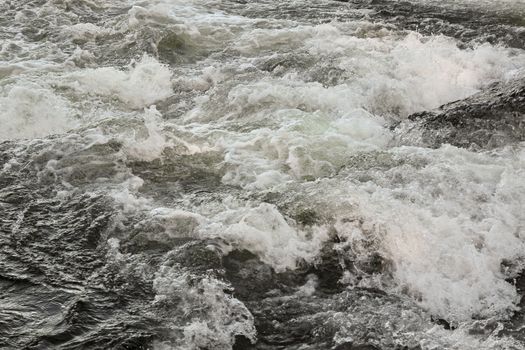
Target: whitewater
x=231, y=174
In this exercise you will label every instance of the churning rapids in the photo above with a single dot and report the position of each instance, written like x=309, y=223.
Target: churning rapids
x=231, y=174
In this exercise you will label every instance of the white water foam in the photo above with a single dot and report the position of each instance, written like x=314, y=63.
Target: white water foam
x=220, y=316
x=142, y=84
x=28, y=110
x=264, y=231
x=450, y=225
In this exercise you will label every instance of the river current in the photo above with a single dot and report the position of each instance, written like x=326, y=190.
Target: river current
x=230, y=174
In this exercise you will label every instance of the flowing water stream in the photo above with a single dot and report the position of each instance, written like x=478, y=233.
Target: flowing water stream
x=231, y=174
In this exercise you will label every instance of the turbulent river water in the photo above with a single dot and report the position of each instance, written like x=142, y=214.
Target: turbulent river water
x=230, y=174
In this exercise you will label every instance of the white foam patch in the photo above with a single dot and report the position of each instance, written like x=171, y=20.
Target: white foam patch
x=84, y=31
x=218, y=320
x=141, y=85
x=28, y=110
x=206, y=313
x=307, y=145
x=126, y=195
x=151, y=145
x=199, y=26
x=446, y=227
x=307, y=130
x=264, y=231
x=413, y=74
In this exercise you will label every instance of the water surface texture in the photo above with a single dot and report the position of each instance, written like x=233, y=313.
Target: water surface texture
x=229, y=174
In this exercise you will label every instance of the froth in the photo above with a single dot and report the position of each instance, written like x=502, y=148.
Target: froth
x=220, y=316
x=446, y=225
x=142, y=84
x=264, y=231
x=28, y=110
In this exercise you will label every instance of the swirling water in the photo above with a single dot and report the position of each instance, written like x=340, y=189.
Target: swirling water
x=190, y=174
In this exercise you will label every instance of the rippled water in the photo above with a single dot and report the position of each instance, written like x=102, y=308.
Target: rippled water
x=262, y=175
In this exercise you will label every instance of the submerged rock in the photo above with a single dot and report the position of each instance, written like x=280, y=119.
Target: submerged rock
x=469, y=24
x=465, y=23
x=492, y=118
